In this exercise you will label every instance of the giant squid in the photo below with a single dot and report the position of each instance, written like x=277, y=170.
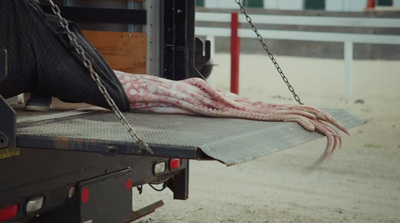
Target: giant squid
x=194, y=96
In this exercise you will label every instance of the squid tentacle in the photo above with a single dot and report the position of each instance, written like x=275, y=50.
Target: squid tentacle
x=196, y=96
x=317, y=113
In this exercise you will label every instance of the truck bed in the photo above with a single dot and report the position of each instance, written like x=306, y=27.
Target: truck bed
x=66, y=150
x=230, y=141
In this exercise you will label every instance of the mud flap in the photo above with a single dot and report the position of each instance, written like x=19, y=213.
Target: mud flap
x=107, y=198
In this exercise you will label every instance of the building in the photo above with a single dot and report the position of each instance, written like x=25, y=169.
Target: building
x=327, y=5
x=311, y=8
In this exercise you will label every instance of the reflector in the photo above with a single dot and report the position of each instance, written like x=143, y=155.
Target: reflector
x=85, y=195
x=174, y=163
x=159, y=167
x=128, y=184
x=34, y=204
x=9, y=212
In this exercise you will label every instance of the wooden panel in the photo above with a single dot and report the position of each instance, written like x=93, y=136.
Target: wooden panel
x=122, y=50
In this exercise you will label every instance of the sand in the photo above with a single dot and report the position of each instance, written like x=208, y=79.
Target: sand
x=360, y=183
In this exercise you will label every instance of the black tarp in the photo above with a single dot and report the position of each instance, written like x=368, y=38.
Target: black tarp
x=42, y=61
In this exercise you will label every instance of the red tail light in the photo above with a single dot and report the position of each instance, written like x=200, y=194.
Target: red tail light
x=128, y=184
x=85, y=195
x=8, y=212
x=174, y=163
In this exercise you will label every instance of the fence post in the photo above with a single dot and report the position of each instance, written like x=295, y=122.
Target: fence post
x=370, y=4
x=348, y=59
x=235, y=52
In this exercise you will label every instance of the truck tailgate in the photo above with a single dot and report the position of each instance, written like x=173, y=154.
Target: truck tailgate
x=230, y=141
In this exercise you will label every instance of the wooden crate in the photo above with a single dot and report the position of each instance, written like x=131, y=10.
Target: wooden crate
x=124, y=51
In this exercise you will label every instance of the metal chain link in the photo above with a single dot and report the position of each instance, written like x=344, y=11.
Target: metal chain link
x=88, y=64
x=266, y=48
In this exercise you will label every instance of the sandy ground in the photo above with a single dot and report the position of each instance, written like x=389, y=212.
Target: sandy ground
x=360, y=183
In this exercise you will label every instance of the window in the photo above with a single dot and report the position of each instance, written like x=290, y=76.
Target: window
x=314, y=4
x=200, y=3
x=253, y=3
x=384, y=3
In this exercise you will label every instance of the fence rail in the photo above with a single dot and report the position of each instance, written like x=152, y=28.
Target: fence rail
x=348, y=39
x=303, y=20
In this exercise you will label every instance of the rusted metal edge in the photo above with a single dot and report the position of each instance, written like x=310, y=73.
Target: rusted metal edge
x=106, y=147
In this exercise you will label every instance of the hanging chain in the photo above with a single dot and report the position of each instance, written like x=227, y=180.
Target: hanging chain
x=88, y=64
x=266, y=48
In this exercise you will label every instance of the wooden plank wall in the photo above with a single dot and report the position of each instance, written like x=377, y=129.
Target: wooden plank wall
x=122, y=50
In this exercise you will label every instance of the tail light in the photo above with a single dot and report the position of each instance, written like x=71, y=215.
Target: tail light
x=9, y=212
x=174, y=163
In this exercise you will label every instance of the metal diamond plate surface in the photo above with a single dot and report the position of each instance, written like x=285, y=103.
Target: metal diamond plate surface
x=230, y=141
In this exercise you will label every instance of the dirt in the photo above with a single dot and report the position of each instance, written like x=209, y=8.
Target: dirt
x=360, y=183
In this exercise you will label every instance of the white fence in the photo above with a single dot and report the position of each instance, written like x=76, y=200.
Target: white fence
x=348, y=39
x=330, y=5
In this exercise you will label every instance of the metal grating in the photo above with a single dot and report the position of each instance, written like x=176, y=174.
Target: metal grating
x=230, y=141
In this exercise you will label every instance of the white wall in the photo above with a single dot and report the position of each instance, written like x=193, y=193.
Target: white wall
x=291, y=4
x=334, y=5
x=345, y=5
x=284, y=4
x=271, y=4
x=331, y=5
x=268, y=4
x=225, y=4
x=357, y=5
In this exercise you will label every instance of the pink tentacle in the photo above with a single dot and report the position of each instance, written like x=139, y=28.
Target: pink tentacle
x=195, y=96
x=311, y=112
x=216, y=95
x=333, y=141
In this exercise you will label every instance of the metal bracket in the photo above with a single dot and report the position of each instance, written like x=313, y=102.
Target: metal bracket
x=3, y=64
x=7, y=128
x=202, y=55
x=146, y=210
x=7, y=114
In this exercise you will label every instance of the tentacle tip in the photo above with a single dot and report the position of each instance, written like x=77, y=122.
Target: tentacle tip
x=310, y=169
x=346, y=131
x=343, y=129
x=316, y=164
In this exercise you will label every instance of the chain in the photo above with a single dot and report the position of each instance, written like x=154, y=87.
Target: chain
x=88, y=64
x=266, y=48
